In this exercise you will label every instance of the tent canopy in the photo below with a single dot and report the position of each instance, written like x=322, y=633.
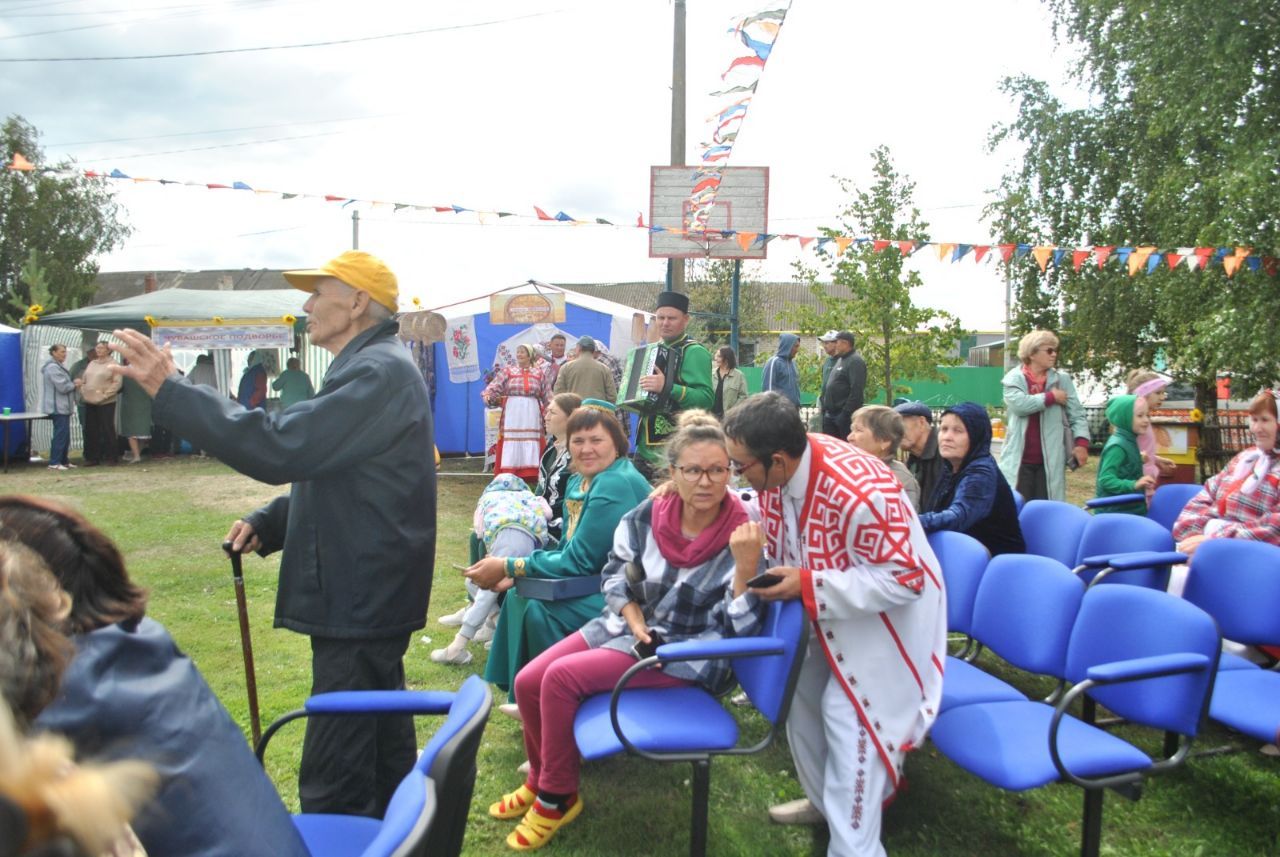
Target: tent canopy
x=186, y=305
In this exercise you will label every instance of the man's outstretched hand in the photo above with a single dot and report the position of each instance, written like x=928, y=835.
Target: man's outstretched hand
x=148, y=364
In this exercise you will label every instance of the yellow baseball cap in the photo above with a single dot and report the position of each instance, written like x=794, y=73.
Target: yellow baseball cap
x=359, y=270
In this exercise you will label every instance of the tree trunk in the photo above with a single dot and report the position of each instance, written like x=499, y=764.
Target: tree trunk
x=888, y=365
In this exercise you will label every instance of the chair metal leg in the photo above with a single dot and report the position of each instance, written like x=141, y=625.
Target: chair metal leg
x=701, y=797
x=1091, y=825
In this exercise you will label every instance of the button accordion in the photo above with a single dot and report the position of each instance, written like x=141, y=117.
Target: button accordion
x=645, y=360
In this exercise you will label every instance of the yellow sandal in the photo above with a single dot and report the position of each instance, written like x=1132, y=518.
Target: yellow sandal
x=515, y=804
x=536, y=829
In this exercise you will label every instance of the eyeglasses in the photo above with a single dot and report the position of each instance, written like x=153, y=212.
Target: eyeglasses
x=693, y=473
x=739, y=468
x=1049, y=350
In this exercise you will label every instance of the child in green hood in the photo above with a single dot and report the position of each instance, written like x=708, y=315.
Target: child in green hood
x=1120, y=468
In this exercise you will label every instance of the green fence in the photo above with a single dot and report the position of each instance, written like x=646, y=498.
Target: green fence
x=979, y=384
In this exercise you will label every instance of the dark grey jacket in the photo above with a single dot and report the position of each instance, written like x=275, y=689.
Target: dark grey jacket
x=358, y=527
x=846, y=385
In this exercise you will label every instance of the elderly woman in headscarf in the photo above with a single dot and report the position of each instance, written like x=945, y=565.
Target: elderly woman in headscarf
x=1243, y=501
x=1045, y=419
x=971, y=495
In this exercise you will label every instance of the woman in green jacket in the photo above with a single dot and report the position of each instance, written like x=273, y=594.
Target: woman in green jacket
x=1043, y=418
x=730, y=384
x=1120, y=468
x=604, y=487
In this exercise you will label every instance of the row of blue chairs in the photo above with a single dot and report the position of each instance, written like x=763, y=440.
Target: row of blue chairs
x=1152, y=658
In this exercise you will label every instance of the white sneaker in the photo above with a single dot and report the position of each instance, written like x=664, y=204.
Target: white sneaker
x=452, y=655
x=523, y=767
x=796, y=812
x=485, y=632
x=511, y=710
x=453, y=620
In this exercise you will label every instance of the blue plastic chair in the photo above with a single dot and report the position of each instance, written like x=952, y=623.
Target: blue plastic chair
x=1237, y=582
x=1166, y=504
x=1145, y=655
x=688, y=724
x=963, y=559
x=428, y=810
x=1018, y=500
x=1052, y=529
x=1023, y=612
x=1109, y=537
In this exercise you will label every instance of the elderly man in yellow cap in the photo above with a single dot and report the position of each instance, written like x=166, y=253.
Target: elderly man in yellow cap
x=358, y=527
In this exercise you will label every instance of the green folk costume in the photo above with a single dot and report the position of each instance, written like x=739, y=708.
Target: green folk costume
x=1120, y=467
x=692, y=389
x=592, y=509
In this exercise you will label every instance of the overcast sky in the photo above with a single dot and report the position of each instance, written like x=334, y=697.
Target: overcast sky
x=504, y=105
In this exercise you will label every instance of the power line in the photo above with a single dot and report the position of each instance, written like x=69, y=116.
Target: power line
x=283, y=47
x=219, y=131
x=221, y=146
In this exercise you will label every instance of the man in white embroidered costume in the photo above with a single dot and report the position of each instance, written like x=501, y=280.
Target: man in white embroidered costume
x=848, y=543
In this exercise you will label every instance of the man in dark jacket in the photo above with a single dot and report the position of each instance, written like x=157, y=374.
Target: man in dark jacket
x=358, y=527
x=780, y=370
x=845, y=387
x=920, y=441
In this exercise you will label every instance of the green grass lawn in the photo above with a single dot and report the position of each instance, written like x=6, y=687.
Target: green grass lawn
x=169, y=519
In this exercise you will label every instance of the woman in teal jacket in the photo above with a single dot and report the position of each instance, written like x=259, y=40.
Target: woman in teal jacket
x=604, y=487
x=1120, y=469
x=1041, y=400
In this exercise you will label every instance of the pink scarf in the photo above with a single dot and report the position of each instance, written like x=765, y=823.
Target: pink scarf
x=684, y=552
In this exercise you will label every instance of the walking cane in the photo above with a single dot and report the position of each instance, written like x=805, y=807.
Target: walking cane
x=246, y=644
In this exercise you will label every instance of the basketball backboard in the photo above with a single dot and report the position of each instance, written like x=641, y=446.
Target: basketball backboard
x=741, y=205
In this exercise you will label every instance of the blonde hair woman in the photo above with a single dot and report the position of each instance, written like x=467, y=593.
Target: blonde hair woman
x=1047, y=430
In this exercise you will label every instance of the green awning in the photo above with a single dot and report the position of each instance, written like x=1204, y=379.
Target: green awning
x=184, y=304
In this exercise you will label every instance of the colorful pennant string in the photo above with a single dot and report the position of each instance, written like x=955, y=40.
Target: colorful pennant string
x=1146, y=258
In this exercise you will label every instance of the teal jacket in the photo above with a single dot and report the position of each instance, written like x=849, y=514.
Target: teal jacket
x=1019, y=404
x=1120, y=467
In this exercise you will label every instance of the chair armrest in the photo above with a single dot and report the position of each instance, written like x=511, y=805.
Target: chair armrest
x=380, y=702
x=1117, y=500
x=728, y=647
x=557, y=589
x=1132, y=559
x=1156, y=666
x=1117, y=672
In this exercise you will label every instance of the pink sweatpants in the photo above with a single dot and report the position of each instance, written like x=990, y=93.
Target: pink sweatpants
x=549, y=690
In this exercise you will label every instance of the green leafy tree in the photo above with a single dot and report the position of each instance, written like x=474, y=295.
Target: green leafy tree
x=709, y=285
x=51, y=228
x=897, y=338
x=1178, y=148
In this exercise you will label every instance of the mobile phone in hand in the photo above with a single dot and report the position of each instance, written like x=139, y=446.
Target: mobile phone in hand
x=644, y=650
x=765, y=580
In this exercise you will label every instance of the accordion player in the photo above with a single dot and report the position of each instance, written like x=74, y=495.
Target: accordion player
x=645, y=360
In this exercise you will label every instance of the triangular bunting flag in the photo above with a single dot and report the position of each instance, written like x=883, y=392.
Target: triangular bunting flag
x=457, y=209
x=878, y=245
x=1139, y=258
x=640, y=219
x=979, y=251
x=506, y=214
x=1057, y=258
x=288, y=196
x=209, y=186
x=542, y=215
x=945, y=250
x=21, y=163
x=1077, y=259
x=805, y=242
x=116, y=174
x=1123, y=254
x=1231, y=264
x=906, y=248
x=1102, y=254
x=1172, y=260
x=842, y=244
x=1271, y=265
x=328, y=197
x=823, y=242
x=1042, y=255
x=1254, y=263
x=745, y=240
x=562, y=217
x=1153, y=262
x=599, y=220
x=960, y=252
x=240, y=186
x=1006, y=251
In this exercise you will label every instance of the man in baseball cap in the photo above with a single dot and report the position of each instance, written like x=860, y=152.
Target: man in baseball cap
x=920, y=440
x=358, y=527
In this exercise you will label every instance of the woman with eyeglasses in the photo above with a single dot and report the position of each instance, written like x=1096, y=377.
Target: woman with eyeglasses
x=1047, y=430
x=678, y=571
